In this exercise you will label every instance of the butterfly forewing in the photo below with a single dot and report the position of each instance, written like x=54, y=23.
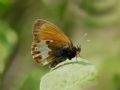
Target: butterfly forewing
x=44, y=30
x=46, y=39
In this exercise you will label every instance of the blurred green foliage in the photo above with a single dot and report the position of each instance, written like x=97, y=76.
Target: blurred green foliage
x=5, y=5
x=8, y=40
x=98, y=18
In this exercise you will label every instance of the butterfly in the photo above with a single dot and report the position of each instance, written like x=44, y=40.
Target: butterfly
x=50, y=45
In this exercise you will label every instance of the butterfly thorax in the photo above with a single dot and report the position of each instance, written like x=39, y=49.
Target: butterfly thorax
x=68, y=53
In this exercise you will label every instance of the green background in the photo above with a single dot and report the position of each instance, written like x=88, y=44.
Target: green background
x=100, y=19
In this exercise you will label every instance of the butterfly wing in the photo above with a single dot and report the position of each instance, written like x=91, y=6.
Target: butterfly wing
x=46, y=39
x=41, y=53
x=48, y=31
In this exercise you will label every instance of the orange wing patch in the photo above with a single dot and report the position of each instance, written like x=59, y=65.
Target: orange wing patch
x=44, y=30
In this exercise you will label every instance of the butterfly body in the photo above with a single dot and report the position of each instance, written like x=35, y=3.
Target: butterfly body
x=50, y=45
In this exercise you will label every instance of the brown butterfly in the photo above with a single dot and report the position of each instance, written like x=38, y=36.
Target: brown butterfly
x=50, y=45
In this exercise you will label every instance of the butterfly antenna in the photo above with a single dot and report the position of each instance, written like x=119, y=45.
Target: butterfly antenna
x=85, y=34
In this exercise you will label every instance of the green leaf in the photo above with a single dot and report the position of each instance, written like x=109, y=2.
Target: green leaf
x=70, y=75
